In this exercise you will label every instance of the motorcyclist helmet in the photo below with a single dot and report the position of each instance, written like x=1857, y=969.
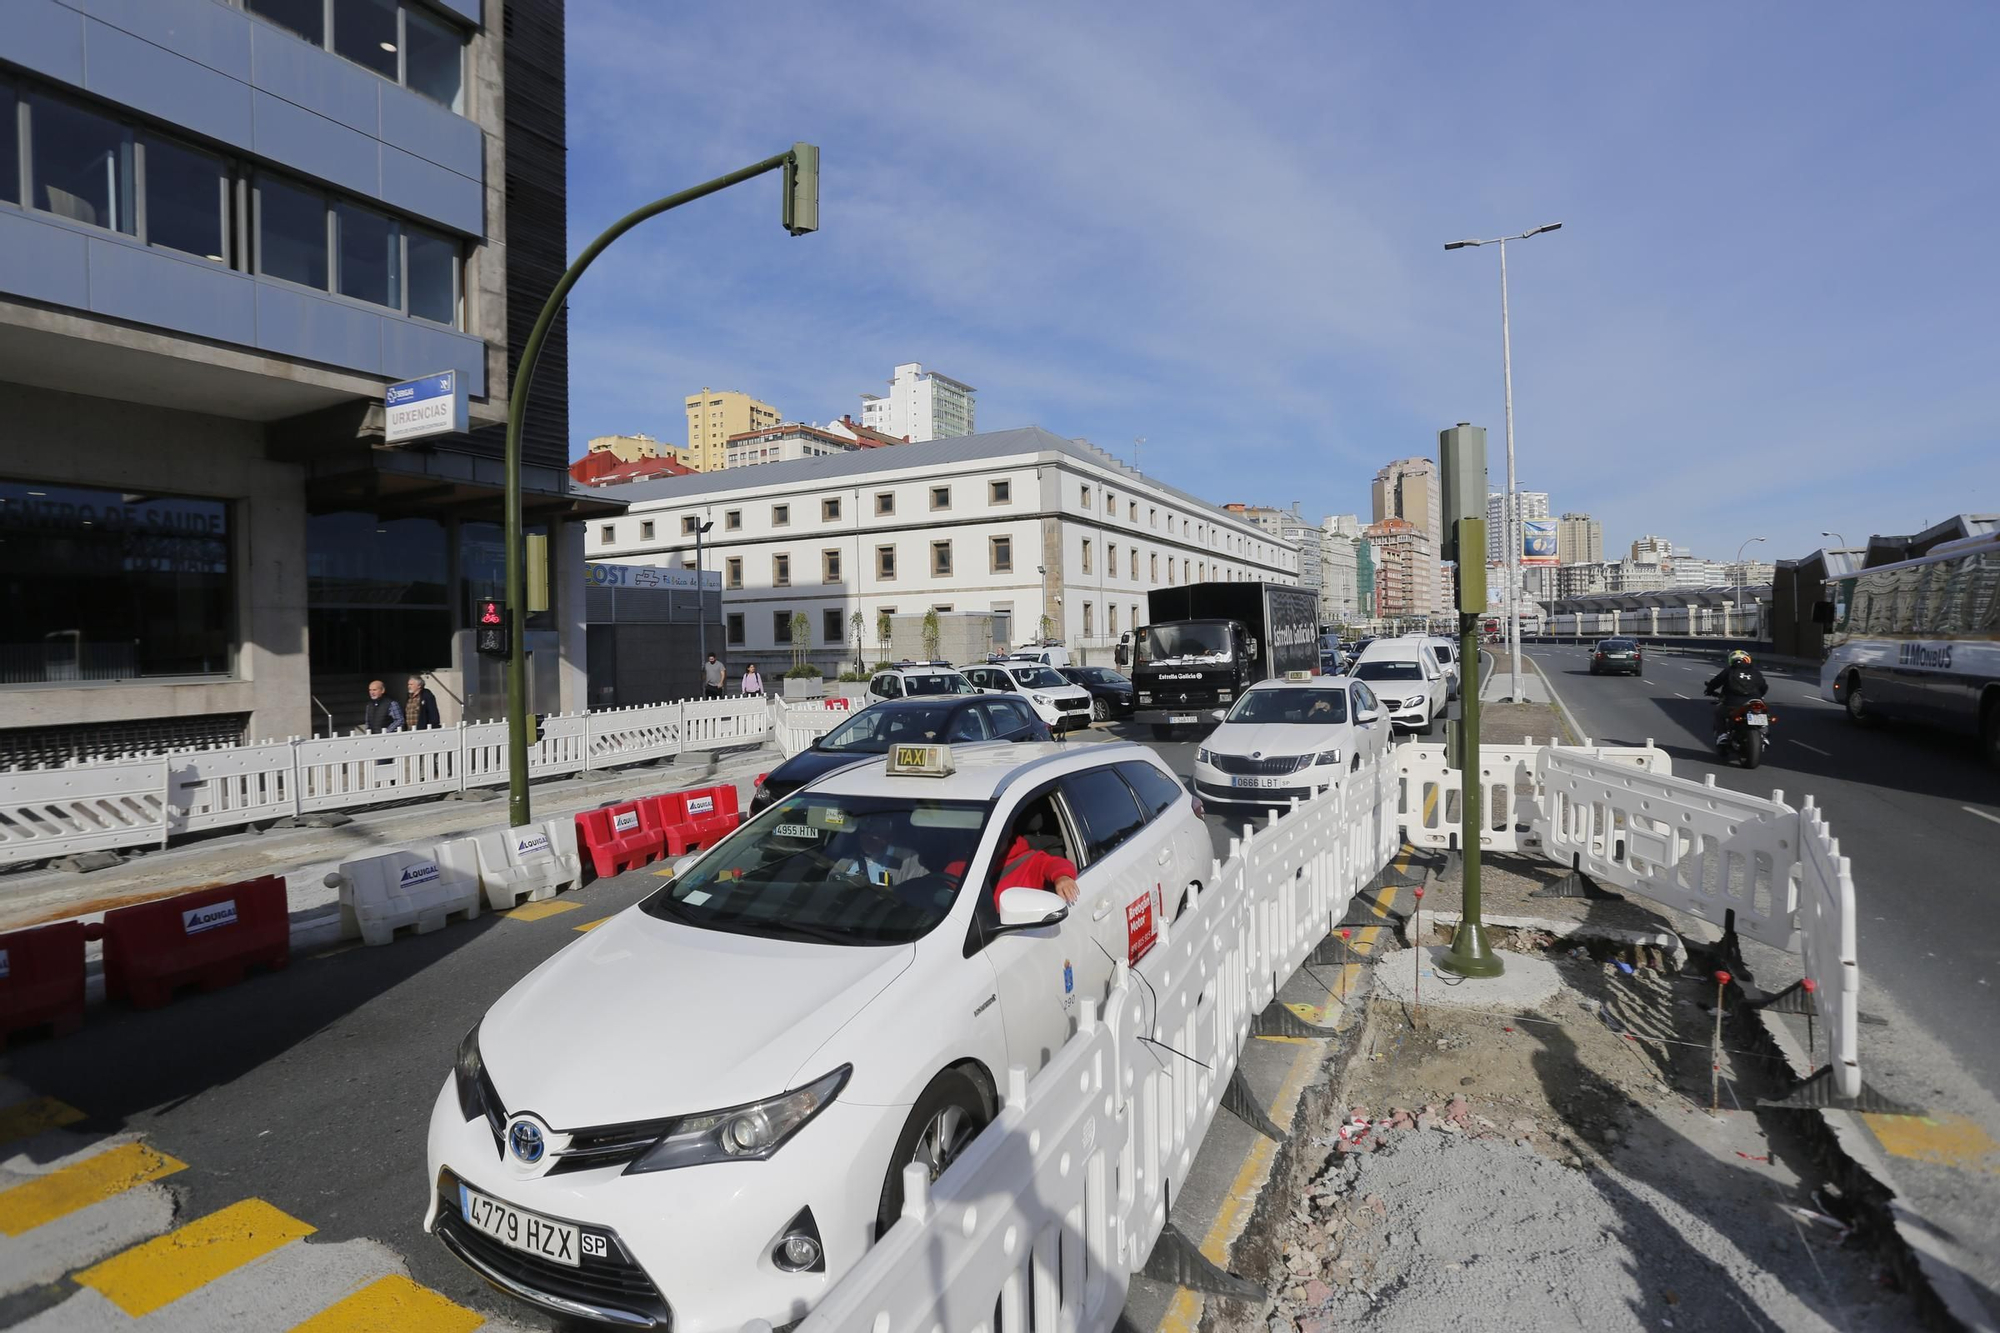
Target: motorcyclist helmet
x=1739, y=656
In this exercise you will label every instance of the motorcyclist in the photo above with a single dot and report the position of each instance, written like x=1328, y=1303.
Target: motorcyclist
x=1737, y=682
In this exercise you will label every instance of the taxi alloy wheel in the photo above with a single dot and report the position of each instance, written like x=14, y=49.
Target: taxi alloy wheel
x=947, y=1117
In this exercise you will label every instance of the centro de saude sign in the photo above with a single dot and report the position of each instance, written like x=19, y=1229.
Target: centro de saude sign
x=433, y=405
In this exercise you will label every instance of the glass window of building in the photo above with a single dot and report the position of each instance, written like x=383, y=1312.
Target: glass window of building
x=732, y=520
x=829, y=625
x=433, y=276
x=735, y=626
x=829, y=509
x=10, y=145
x=733, y=571
x=941, y=559
x=291, y=233
x=885, y=562
x=885, y=502
x=187, y=200
x=646, y=531
x=371, y=256
x=781, y=571
x=108, y=585
x=307, y=18
x=781, y=627
x=940, y=497
x=433, y=59
x=781, y=516
x=365, y=32
x=81, y=165
x=1002, y=555
x=999, y=492
x=829, y=566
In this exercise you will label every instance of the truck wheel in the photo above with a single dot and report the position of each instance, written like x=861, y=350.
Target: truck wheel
x=1857, y=710
x=945, y=1119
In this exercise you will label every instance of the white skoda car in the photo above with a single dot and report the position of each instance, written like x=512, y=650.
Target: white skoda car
x=698, y=1114
x=1289, y=738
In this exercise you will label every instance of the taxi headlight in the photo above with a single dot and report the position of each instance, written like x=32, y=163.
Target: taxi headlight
x=741, y=1133
x=1202, y=755
x=477, y=1098
x=1328, y=757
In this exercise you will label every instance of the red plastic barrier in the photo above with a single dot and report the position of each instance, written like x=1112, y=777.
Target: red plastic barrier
x=208, y=938
x=839, y=701
x=697, y=818
x=41, y=979
x=620, y=837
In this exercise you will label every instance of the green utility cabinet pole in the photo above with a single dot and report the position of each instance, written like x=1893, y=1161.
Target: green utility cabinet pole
x=1462, y=469
x=800, y=214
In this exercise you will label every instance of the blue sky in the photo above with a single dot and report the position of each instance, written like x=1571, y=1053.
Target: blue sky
x=1774, y=307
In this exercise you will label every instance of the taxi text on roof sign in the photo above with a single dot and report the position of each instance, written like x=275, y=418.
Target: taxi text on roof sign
x=1298, y=675
x=920, y=761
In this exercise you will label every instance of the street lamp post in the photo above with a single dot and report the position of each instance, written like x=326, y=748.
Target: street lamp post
x=1837, y=537
x=1510, y=510
x=1740, y=579
x=701, y=593
x=800, y=202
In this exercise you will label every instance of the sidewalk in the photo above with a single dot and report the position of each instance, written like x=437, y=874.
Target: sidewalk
x=304, y=856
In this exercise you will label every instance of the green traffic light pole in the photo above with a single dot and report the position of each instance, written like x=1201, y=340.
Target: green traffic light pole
x=1470, y=955
x=801, y=214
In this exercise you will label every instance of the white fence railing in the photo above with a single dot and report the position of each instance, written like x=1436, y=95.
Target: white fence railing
x=144, y=800
x=1511, y=786
x=1054, y=1208
x=1826, y=923
x=799, y=723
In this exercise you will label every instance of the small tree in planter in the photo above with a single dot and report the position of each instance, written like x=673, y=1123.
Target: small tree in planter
x=932, y=633
x=857, y=625
x=882, y=636
x=802, y=680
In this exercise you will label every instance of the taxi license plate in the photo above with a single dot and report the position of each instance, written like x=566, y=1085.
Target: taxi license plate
x=1257, y=782
x=1180, y=717
x=1757, y=720
x=528, y=1232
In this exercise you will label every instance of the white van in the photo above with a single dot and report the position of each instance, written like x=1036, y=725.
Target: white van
x=1407, y=677
x=1446, y=651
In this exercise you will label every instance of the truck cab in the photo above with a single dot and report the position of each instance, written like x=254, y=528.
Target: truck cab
x=1188, y=672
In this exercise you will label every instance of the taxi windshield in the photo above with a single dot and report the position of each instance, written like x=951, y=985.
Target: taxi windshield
x=1389, y=669
x=1038, y=678
x=942, y=682
x=845, y=870
x=874, y=730
x=1312, y=707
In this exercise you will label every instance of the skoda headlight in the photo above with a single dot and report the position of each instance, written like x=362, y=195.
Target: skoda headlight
x=1202, y=755
x=1328, y=757
x=741, y=1133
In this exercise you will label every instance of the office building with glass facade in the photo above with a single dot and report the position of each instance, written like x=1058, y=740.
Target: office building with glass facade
x=225, y=227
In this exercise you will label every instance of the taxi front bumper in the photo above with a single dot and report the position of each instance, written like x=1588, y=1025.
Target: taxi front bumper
x=689, y=1249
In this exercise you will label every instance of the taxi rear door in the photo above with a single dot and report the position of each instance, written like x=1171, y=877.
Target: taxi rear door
x=1125, y=864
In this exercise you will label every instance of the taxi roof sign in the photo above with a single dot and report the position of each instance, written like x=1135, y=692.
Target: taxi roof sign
x=1299, y=675
x=920, y=761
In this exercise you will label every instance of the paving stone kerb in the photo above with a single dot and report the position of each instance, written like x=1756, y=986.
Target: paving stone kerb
x=304, y=856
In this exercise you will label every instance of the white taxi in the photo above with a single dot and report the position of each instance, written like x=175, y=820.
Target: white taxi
x=698, y=1114
x=1289, y=738
x=1055, y=700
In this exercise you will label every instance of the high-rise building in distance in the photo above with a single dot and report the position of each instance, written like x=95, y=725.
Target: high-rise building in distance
x=1579, y=540
x=713, y=415
x=1533, y=504
x=921, y=405
x=1409, y=489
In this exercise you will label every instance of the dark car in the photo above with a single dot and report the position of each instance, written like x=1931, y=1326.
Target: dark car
x=1617, y=655
x=953, y=719
x=1110, y=693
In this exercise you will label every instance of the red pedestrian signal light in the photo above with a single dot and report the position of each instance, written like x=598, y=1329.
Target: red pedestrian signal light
x=490, y=634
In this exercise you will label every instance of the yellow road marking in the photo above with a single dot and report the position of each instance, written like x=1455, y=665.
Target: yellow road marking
x=1949, y=1140
x=393, y=1304
x=1184, y=1315
x=547, y=907
x=26, y=1119
x=592, y=925
x=1242, y=1197
x=161, y=1271
x=80, y=1184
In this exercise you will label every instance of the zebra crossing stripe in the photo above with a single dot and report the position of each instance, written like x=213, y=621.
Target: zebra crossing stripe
x=24, y=1120
x=80, y=1184
x=166, y=1268
x=393, y=1302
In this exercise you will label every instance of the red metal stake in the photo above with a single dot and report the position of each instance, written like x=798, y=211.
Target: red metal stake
x=1418, y=952
x=1812, y=1060
x=1347, y=953
x=1715, y=1048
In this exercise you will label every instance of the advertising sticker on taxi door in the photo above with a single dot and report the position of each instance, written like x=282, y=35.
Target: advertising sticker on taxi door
x=1141, y=930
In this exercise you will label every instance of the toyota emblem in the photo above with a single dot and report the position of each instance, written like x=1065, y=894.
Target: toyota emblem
x=526, y=1141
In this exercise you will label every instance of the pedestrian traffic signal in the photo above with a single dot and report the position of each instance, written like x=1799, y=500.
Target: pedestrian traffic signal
x=490, y=627
x=801, y=203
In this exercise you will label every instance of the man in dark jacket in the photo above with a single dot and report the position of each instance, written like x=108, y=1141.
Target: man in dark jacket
x=1738, y=681
x=382, y=713
x=420, y=707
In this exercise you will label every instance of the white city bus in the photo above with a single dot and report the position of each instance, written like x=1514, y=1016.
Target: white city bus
x=1919, y=640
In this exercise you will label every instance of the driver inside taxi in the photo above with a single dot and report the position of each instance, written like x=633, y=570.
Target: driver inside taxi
x=877, y=860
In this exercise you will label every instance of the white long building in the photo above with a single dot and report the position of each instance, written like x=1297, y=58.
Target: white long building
x=1020, y=522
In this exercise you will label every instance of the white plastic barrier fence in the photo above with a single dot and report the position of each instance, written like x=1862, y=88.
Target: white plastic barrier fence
x=1826, y=923
x=381, y=894
x=1692, y=846
x=798, y=723
x=58, y=811
x=534, y=861
x=1510, y=812
x=139, y=800
x=1055, y=1206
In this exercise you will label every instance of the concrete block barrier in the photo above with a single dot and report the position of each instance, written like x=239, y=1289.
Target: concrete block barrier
x=379, y=895
x=532, y=861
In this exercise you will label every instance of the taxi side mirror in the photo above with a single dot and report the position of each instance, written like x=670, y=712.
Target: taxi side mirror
x=1365, y=715
x=1024, y=908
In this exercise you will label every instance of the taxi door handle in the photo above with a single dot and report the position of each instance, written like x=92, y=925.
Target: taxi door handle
x=1166, y=855
x=1101, y=909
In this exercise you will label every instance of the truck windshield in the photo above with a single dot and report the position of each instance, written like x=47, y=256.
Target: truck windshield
x=1187, y=643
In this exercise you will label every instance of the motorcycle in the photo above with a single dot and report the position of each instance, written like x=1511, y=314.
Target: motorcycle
x=1748, y=731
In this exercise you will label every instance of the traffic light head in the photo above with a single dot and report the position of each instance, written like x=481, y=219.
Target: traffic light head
x=490, y=627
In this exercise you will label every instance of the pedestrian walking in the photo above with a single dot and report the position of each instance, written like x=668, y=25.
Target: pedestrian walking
x=382, y=712
x=420, y=707
x=713, y=675
x=753, y=683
